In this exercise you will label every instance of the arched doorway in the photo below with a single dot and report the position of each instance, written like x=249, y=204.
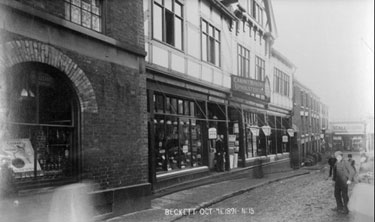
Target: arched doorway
x=41, y=124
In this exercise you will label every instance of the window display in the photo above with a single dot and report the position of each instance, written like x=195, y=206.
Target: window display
x=178, y=139
x=40, y=123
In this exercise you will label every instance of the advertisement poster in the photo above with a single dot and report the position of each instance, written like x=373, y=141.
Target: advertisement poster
x=21, y=154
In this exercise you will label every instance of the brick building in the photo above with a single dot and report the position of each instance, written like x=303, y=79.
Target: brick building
x=310, y=118
x=73, y=98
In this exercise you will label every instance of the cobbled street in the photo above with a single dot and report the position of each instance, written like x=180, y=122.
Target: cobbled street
x=304, y=198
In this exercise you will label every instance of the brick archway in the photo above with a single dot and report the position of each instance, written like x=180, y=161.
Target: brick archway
x=18, y=51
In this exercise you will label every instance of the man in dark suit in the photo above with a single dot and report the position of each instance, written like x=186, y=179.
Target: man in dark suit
x=343, y=175
x=331, y=161
x=219, y=154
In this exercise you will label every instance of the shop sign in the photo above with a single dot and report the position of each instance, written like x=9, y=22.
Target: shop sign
x=290, y=132
x=212, y=133
x=266, y=130
x=285, y=139
x=21, y=155
x=254, y=130
x=246, y=85
x=185, y=148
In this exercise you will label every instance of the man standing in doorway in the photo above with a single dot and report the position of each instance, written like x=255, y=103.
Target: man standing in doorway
x=343, y=175
x=219, y=154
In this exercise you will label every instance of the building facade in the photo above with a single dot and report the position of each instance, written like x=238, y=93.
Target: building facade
x=73, y=98
x=310, y=117
x=211, y=70
x=348, y=135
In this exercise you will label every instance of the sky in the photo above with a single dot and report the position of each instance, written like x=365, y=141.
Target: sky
x=331, y=42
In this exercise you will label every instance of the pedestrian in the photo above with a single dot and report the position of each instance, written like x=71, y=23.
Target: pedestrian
x=331, y=161
x=361, y=202
x=343, y=175
x=351, y=161
x=219, y=155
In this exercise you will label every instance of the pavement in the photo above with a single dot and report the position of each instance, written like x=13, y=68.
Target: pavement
x=197, y=200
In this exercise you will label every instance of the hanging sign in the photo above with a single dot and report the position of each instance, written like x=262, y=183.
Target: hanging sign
x=266, y=130
x=285, y=139
x=290, y=132
x=212, y=133
x=254, y=130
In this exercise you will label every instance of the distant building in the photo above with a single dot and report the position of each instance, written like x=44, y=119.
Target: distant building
x=310, y=119
x=348, y=135
x=370, y=134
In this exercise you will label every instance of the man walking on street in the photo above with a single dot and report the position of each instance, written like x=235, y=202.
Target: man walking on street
x=219, y=154
x=343, y=175
x=331, y=161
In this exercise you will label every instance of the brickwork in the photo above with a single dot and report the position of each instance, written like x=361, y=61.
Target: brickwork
x=31, y=51
x=114, y=111
x=122, y=20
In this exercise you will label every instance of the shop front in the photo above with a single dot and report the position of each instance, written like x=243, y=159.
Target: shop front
x=180, y=121
x=58, y=128
x=259, y=132
x=41, y=126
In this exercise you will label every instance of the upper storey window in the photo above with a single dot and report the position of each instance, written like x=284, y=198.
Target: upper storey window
x=210, y=43
x=260, y=69
x=87, y=13
x=258, y=12
x=243, y=61
x=167, y=22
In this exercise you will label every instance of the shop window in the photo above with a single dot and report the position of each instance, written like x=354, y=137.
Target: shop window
x=41, y=126
x=178, y=139
x=168, y=22
x=87, y=13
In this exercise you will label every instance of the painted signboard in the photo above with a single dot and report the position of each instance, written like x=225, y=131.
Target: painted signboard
x=21, y=155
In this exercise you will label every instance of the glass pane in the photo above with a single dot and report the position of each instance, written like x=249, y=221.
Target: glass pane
x=160, y=143
x=180, y=107
x=77, y=2
x=96, y=25
x=86, y=6
x=86, y=19
x=196, y=146
x=173, y=105
x=76, y=15
x=95, y=10
x=204, y=27
x=178, y=9
x=204, y=47
x=159, y=1
x=211, y=31
x=169, y=27
x=158, y=23
x=172, y=144
x=159, y=103
x=67, y=11
x=184, y=138
x=192, y=109
x=186, y=107
x=217, y=35
x=168, y=4
x=178, y=33
x=167, y=105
